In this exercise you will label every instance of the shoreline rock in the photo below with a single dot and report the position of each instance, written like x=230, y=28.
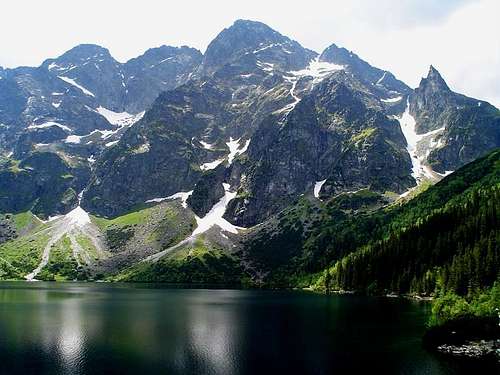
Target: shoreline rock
x=473, y=349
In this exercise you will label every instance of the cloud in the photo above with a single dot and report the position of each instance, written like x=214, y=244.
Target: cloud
x=403, y=14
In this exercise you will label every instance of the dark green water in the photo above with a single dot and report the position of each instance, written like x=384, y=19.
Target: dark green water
x=48, y=328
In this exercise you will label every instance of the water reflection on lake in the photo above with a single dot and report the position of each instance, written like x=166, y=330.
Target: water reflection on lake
x=49, y=328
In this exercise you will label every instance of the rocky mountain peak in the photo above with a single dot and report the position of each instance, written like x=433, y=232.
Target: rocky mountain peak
x=84, y=52
x=248, y=37
x=434, y=81
x=79, y=56
x=337, y=54
x=381, y=80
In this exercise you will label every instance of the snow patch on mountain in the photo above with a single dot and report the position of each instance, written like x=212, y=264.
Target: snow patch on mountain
x=211, y=165
x=296, y=99
x=381, y=78
x=49, y=124
x=213, y=218
x=78, y=217
x=419, y=169
x=318, y=70
x=76, y=139
x=206, y=145
x=317, y=187
x=110, y=144
x=73, y=83
x=182, y=195
x=215, y=215
x=392, y=100
x=74, y=221
x=266, y=67
x=234, y=148
x=119, y=118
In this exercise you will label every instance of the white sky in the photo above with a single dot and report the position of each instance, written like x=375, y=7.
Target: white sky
x=461, y=38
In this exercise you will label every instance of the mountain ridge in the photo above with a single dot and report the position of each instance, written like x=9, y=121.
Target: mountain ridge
x=179, y=158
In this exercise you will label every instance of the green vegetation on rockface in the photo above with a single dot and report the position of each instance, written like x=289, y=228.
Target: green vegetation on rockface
x=459, y=319
x=25, y=221
x=88, y=246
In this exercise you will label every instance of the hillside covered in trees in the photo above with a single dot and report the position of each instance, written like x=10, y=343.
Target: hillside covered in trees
x=446, y=238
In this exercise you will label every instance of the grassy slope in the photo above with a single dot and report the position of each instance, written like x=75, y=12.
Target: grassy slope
x=200, y=262
x=22, y=255
x=155, y=226
x=62, y=265
x=159, y=226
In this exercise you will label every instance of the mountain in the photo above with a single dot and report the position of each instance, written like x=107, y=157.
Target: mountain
x=367, y=245
x=258, y=161
x=458, y=129
x=338, y=136
x=86, y=89
x=75, y=106
x=247, y=39
x=157, y=70
x=248, y=74
x=385, y=85
x=198, y=125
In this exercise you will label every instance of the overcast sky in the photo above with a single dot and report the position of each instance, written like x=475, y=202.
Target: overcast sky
x=459, y=37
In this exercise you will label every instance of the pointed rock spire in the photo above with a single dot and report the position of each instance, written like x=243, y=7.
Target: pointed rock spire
x=434, y=80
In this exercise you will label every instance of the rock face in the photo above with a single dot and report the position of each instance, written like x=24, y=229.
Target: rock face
x=7, y=230
x=42, y=183
x=159, y=150
x=207, y=191
x=463, y=128
x=340, y=133
x=220, y=108
x=158, y=69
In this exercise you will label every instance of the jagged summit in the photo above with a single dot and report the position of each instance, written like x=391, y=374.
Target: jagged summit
x=381, y=80
x=434, y=80
x=245, y=38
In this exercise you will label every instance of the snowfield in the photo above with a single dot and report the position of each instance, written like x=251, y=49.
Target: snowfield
x=119, y=119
